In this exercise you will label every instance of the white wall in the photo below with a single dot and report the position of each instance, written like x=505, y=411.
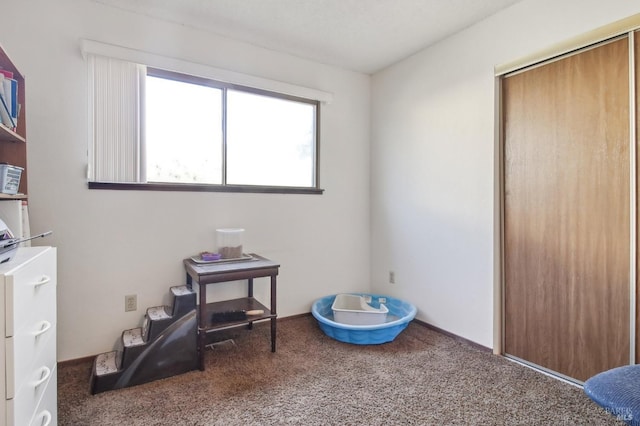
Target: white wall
x=113, y=243
x=432, y=160
x=431, y=172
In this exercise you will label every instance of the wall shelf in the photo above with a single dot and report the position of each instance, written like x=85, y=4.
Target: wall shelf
x=9, y=135
x=13, y=147
x=13, y=197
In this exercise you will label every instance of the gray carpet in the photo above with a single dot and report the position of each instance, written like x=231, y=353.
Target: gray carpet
x=421, y=378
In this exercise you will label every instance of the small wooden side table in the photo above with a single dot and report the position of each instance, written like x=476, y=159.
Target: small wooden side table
x=204, y=274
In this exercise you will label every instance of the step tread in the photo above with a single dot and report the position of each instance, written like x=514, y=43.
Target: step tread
x=181, y=290
x=132, y=337
x=158, y=313
x=106, y=363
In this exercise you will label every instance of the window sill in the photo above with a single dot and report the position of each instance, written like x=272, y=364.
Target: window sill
x=181, y=187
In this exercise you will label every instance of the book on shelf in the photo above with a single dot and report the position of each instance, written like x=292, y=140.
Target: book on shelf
x=8, y=101
x=13, y=88
x=7, y=74
x=7, y=120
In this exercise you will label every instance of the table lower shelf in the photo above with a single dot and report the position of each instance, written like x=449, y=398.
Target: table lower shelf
x=233, y=305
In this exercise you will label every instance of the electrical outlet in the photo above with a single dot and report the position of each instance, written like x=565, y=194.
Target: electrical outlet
x=392, y=277
x=130, y=302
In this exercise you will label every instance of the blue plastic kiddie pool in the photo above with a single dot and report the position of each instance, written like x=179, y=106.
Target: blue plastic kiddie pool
x=399, y=315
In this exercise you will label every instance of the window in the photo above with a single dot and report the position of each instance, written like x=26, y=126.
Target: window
x=157, y=129
x=277, y=148
x=183, y=131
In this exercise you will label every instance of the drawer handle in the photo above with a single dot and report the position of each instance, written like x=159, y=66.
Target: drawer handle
x=45, y=372
x=44, y=327
x=44, y=280
x=46, y=416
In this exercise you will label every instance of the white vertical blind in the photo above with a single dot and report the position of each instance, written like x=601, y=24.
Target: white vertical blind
x=115, y=89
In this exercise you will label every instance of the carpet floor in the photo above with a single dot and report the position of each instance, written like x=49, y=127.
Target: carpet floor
x=421, y=378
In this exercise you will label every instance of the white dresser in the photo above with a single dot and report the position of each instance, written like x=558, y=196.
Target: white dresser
x=28, y=351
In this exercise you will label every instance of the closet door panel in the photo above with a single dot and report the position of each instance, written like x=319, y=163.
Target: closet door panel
x=566, y=217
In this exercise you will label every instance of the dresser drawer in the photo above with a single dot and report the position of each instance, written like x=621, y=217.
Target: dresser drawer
x=30, y=290
x=27, y=353
x=46, y=413
x=22, y=407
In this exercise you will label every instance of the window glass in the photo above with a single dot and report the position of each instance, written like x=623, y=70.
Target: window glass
x=270, y=140
x=183, y=132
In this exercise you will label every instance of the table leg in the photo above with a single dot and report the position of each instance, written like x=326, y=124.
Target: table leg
x=250, y=294
x=273, y=312
x=202, y=323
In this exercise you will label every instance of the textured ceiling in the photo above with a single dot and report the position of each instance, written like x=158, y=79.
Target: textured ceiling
x=360, y=35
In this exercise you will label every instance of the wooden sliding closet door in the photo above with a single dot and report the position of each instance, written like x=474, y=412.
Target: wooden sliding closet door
x=566, y=212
